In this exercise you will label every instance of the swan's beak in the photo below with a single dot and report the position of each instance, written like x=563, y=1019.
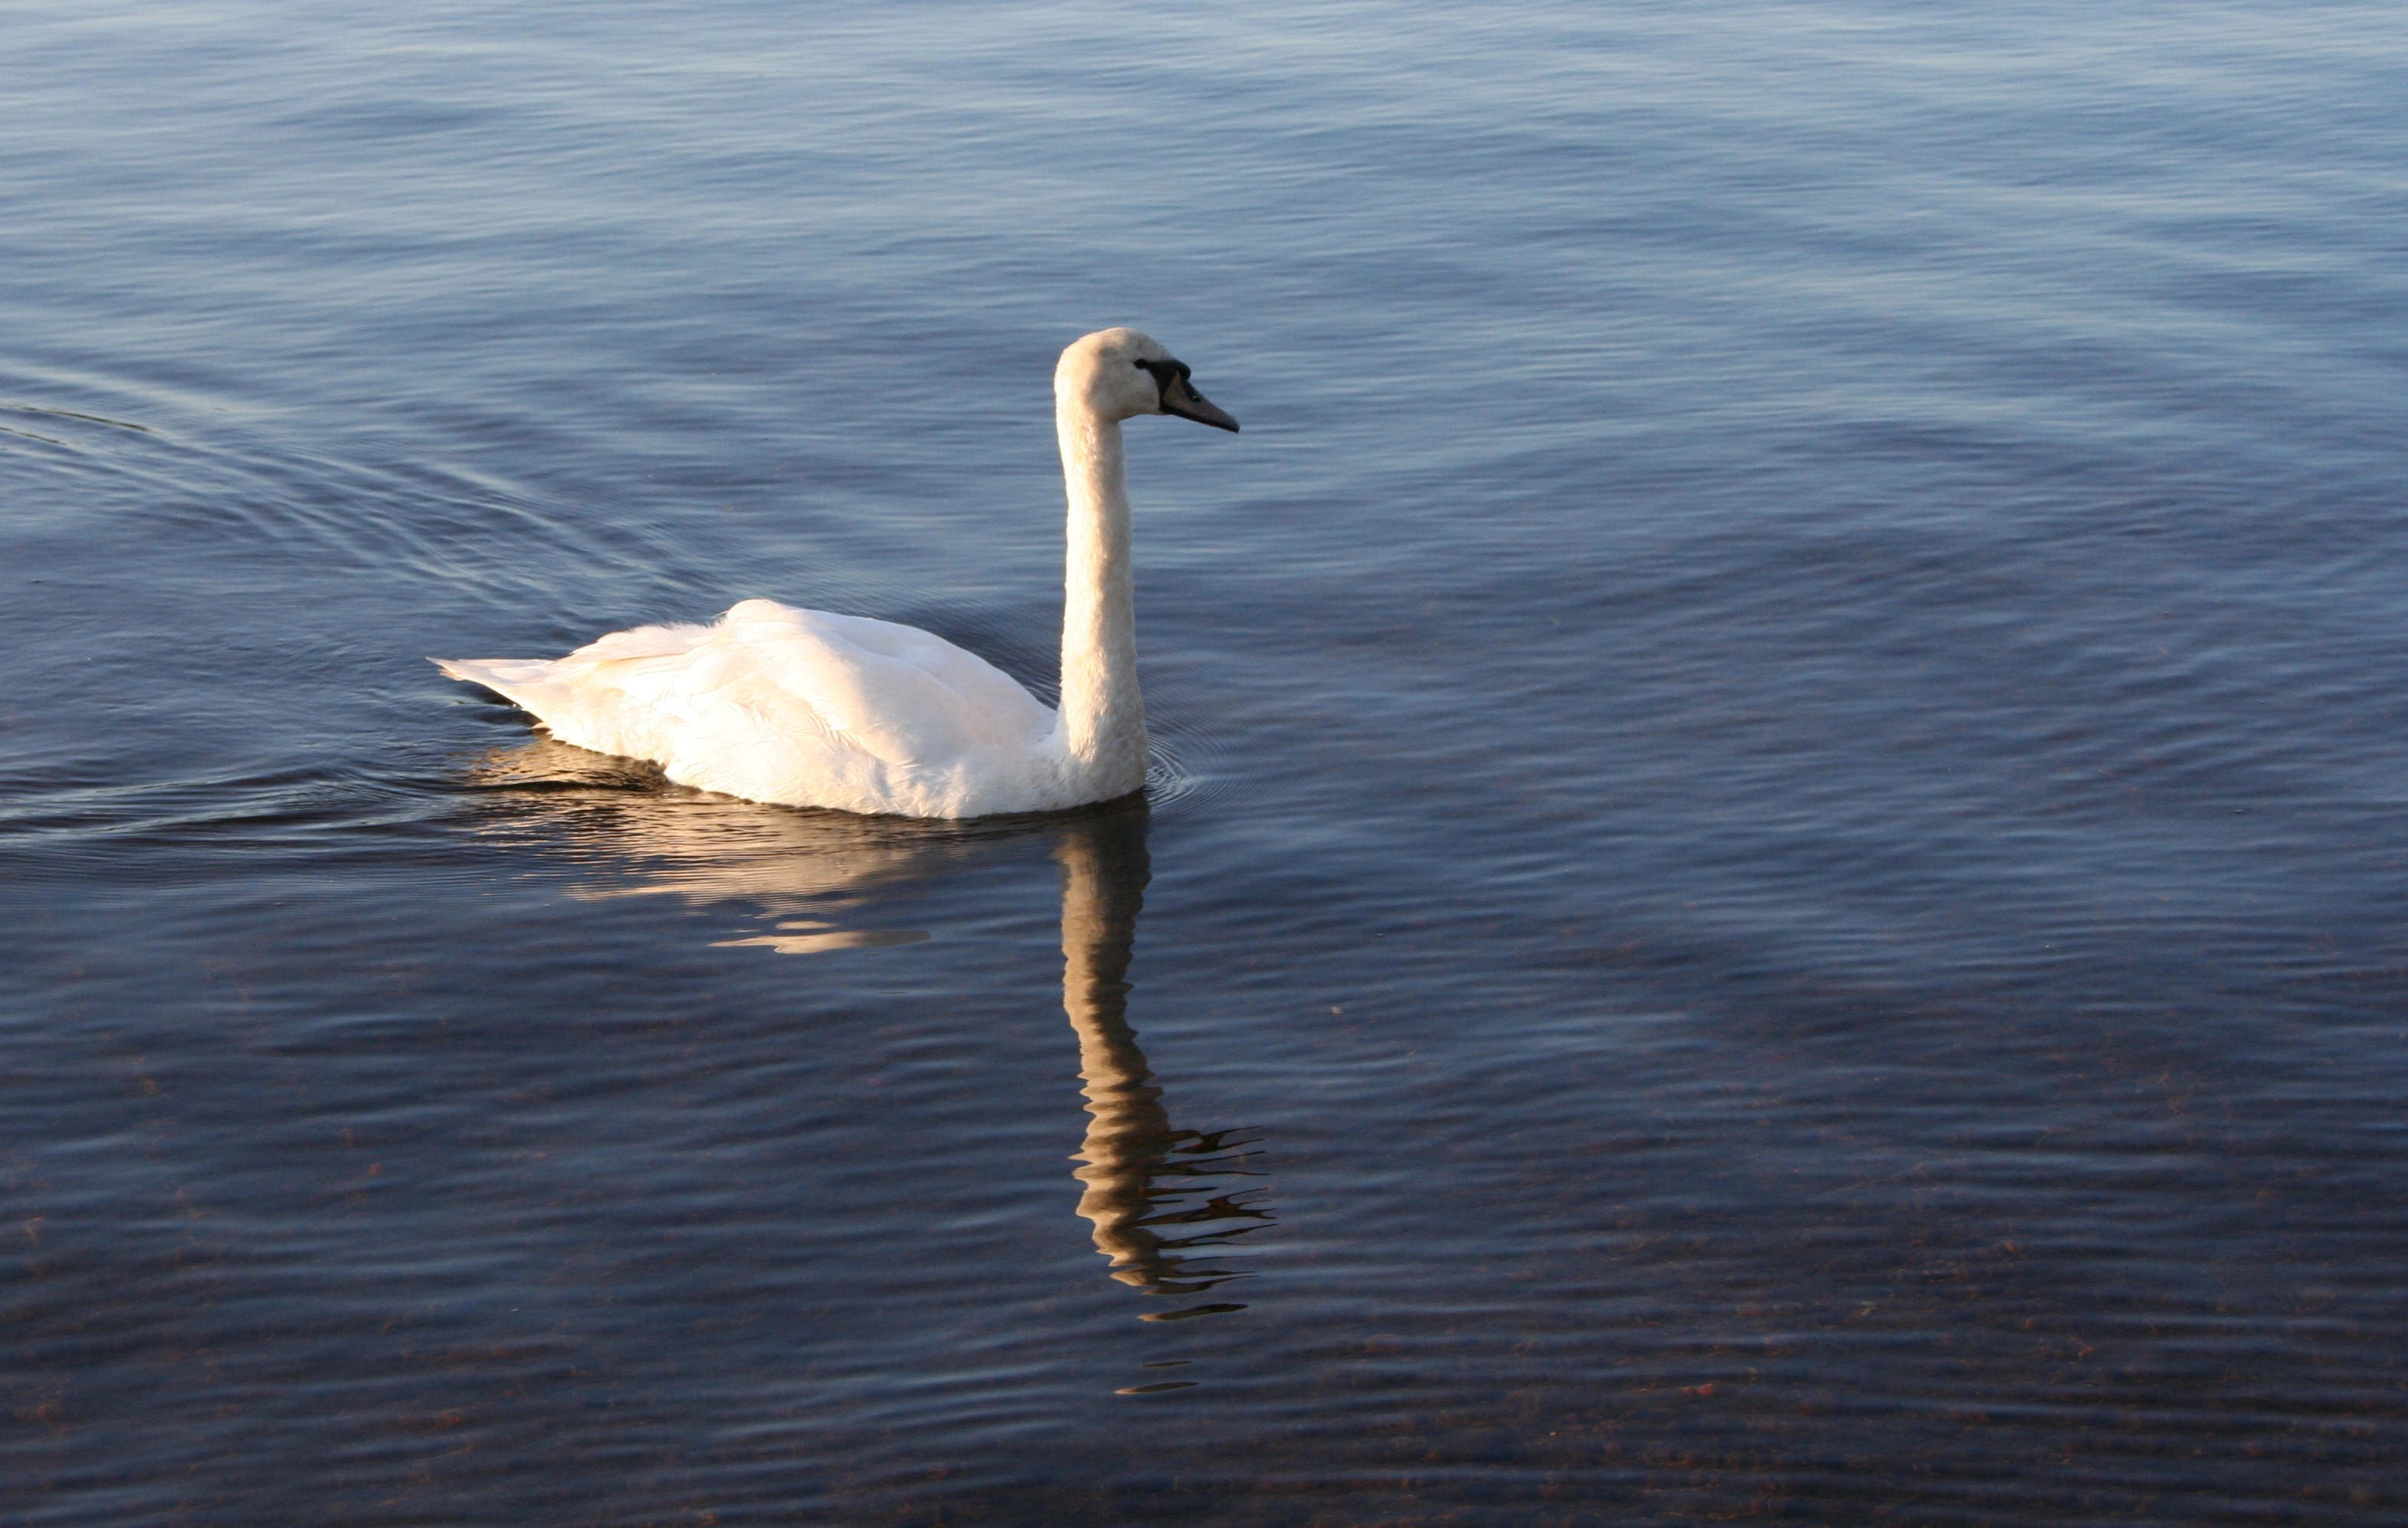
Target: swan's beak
x=1179, y=397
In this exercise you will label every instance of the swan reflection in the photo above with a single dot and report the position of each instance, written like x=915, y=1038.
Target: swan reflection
x=1142, y=1176
x=1158, y=1195
x=797, y=865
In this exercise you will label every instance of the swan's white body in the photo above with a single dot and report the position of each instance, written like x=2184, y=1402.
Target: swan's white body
x=812, y=709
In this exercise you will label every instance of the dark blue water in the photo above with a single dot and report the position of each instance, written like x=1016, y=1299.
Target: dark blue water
x=1776, y=883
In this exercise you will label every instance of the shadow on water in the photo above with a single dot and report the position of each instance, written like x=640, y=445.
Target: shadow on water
x=1158, y=1195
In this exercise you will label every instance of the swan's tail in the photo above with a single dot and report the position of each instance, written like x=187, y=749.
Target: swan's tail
x=524, y=682
x=583, y=697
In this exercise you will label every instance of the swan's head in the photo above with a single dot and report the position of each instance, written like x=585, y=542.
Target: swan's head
x=1120, y=374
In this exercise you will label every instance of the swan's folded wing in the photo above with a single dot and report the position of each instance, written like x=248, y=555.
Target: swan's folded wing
x=908, y=697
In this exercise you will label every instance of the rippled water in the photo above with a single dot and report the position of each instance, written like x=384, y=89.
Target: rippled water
x=1775, y=878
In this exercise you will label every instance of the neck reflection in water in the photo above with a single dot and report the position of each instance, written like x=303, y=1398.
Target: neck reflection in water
x=1142, y=1176
x=1158, y=1195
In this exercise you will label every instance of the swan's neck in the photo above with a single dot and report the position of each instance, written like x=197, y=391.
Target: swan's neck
x=1103, y=716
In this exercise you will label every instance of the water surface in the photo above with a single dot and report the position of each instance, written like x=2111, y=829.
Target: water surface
x=1774, y=880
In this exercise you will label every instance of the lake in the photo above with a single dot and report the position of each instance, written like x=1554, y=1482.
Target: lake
x=1774, y=883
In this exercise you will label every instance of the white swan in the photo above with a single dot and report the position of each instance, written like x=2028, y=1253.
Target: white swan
x=812, y=709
